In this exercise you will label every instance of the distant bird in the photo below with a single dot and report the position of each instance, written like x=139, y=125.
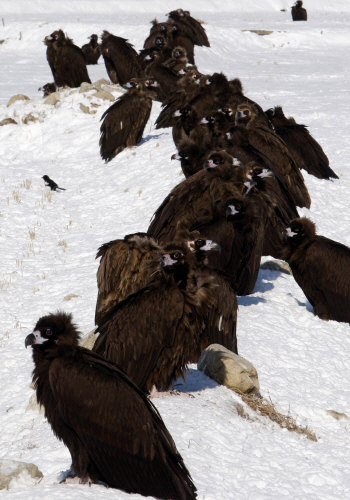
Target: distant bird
x=196, y=29
x=48, y=88
x=123, y=123
x=113, y=432
x=123, y=269
x=66, y=60
x=268, y=143
x=305, y=149
x=298, y=12
x=51, y=184
x=120, y=58
x=151, y=334
x=321, y=267
x=92, y=50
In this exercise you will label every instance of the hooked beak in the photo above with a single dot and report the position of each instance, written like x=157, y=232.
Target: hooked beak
x=176, y=156
x=203, y=120
x=166, y=260
x=154, y=84
x=287, y=233
x=177, y=113
x=249, y=185
x=231, y=210
x=209, y=164
x=34, y=338
x=266, y=173
x=30, y=340
x=127, y=85
x=211, y=245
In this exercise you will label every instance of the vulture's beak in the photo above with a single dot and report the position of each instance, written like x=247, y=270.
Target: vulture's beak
x=175, y=156
x=30, y=340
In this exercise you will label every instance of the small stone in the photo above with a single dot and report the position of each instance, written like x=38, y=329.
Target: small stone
x=88, y=340
x=74, y=91
x=85, y=109
x=86, y=87
x=29, y=118
x=277, y=265
x=33, y=404
x=17, y=97
x=98, y=85
x=103, y=94
x=10, y=469
x=7, y=121
x=70, y=296
x=229, y=369
x=336, y=415
x=52, y=98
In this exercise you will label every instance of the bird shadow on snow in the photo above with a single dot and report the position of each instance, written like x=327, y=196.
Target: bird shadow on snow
x=149, y=137
x=196, y=381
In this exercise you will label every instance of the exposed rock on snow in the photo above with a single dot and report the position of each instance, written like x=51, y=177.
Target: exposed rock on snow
x=7, y=121
x=103, y=94
x=52, y=98
x=17, y=97
x=10, y=469
x=33, y=404
x=337, y=415
x=86, y=87
x=86, y=109
x=229, y=369
x=88, y=340
x=277, y=265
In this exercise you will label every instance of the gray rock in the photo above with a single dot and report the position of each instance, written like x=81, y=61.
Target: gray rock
x=103, y=94
x=86, y=87
x=10, y=469
x=88, y=340
x=17, y=97
x=229, y=369
x=85, y=109
x=98, y=85
x=277, y=265
x=52, y=98
x=7, y=121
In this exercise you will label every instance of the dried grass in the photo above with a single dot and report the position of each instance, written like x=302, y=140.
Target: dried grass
x=27, y=183
x=266, y=408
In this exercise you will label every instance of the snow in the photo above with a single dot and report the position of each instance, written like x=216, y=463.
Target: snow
x=49, y=243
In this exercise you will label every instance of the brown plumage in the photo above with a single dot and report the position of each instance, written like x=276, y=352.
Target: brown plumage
x=162, y=73
x=305, y=149
x=66, y=60
x=179, y=37
x=124, y=122
x=157, y=29
x=123, y=269
x=196, y=29
x=113, y=432
x=262, y=138
x=152, y=332
x=48, y=88
x=298, y=12
x=191, y=155
x=92, y=50
x=120, y=58
x=321, y=268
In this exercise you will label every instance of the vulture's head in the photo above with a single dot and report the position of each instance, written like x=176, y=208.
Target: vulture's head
x=273, y=113
x=235, y=209
x=226, y=111
x=181, y=155
x=93, y=40
x=53, y=329
x=201, y=246
x=219, y=158
x=151, y=83
x=159, y=42
x=245, y=114
x=178, y=52
x=298, y=231
x=259, y=174
x=207, y=120
x=298, y=4
x=173, y=257
x=217, y=80
x=56, y=36
x=183, y=112
x=48, y=89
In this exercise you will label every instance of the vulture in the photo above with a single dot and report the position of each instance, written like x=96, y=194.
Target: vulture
x=152, y=333
x=194, y=28
x=51, y=184
x=191, y=155
x=66, y=60
x=92, y=50
x=163, y=73
x=158, y=29
x=48, y=88
x=123, y=123
x=298, y=12
x=123, y=269
x=305, y=149
x=180, y=37
x=120, y=58
x=321, y=268
x=113, y=432
x=268, y=143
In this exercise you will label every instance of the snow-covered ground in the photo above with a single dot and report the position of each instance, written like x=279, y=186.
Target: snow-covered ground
x=48, y=243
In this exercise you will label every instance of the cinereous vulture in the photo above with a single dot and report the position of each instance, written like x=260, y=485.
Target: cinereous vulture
x=92, y=50
x=113, y=432
x=298, y=12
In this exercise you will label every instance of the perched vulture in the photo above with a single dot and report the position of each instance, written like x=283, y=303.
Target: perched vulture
x=163, y=74
x=123, y=269
x=48, y=88
x=120, y=58
x=124, y=122
x=196, y=30
x=191, y=155
x=66, y=60
x=321, y=268
x=298, y=12
x=162, y=29
x=151, y=334
x=181, y=37
x=113, y=432
x=268, y=143
x=92, y=50
x=305, y=149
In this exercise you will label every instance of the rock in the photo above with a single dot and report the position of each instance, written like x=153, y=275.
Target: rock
x=10, y=469
x=52, y=98
x=229, y=369
x=336, y=415
x=98, y=85
x=260, y=32
x=88, y=340
x=103, y=94
x=17, y=97
x=86, y=87
x=33, y=404
x=30, y=118
x=277, y=265
x=7, y=121
x=74, y=91
x=85, y=109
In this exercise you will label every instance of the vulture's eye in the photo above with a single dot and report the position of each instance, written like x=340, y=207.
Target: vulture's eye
x=175, y=255
x=177, y=54
x=48, y=331
x=296, y=230
x=239, y=206
x=256, y=171
x=199, y=243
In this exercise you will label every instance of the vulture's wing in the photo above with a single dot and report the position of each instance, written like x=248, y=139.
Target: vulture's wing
x=135, y=332
x=124, y=58
x=73, y=64
x=119, y=428
x=329, y=267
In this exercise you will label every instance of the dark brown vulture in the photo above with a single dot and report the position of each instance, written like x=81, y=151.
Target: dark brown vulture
x=305, y=149
x=267, y=142
x=298, y=12
x=48, y=88
x=180, y=37
x=113, y=432
x=195, y=28
x=124, y=122
x=163, y=74
x=92, y=50
x=151, y=334
x=191, y=155
x=123, y=269
x=66, y=60
x=321, y=268
x=162, y=29
x=120, y=58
